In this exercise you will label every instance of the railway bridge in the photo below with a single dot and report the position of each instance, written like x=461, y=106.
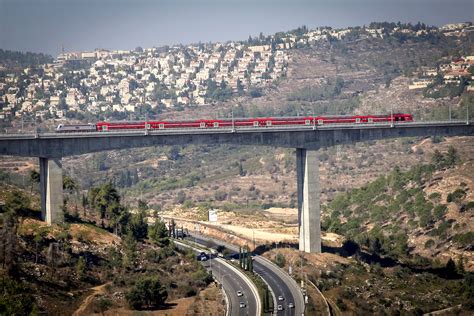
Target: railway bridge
x=50, y=148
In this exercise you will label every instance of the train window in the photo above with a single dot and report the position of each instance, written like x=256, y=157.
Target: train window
x=105, y=127
x=147, y=126
x=307, y=122
x=320, y=122
x=269, y=123
x=216, y=124
x=161, y=126
x=371, y=120
x=202, y=125
x=357, y=120
x=255, y=123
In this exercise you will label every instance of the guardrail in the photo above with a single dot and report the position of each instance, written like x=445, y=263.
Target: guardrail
x=251, y=285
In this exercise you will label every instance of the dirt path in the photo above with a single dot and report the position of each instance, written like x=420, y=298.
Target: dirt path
x=96, y=291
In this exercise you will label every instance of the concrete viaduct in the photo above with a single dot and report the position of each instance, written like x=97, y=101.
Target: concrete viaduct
x=51, y=147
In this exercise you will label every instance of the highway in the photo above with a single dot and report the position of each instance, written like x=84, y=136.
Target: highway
x=279, y=282
x=232, y=281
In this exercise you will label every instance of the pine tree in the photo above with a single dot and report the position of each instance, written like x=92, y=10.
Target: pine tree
x=437, y=159
x=240, y=257
x=460, y=266
x=452, y=157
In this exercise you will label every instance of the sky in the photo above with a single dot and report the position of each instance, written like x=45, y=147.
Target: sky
x=81, y=25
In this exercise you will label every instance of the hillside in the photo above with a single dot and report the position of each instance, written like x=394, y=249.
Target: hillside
x=425, y=211
x=81, y=267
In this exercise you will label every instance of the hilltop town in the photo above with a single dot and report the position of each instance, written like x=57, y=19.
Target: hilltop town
x=113, y=84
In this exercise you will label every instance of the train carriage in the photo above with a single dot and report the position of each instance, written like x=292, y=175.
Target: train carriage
x=258, y=122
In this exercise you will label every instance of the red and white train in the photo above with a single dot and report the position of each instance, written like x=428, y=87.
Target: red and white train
x=235, y=123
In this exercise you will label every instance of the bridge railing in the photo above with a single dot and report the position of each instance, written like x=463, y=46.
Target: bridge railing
x=169, y=131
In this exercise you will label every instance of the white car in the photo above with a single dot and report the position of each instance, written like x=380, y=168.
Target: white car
x=290, y=305
x=242, y=304
x=279, y=307
x=239, y=293
x=280, y=298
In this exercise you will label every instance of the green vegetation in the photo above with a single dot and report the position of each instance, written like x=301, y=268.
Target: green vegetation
x=19, y=60
x=394, y=290
x=15, y=298
x=464, y=239
x=280, y=260
x=146, y=293
x=396, y=199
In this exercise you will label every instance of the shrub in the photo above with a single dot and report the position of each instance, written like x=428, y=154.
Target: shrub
x=465, y=239
x=467, y=207
x=429, y=243
x=340, y=303
x=439, y=211
x=146, y=293
x=456, y=195
x=15, y=299
x=280, y=260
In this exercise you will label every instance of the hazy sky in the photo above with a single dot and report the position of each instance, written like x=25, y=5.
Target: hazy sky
x=45, y=25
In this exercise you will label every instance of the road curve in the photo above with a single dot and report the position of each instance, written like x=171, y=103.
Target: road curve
x=280, y=283
x=232, y=281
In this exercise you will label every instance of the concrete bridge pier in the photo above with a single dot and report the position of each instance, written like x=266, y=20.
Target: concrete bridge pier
x=51, y=190
x=309, y=213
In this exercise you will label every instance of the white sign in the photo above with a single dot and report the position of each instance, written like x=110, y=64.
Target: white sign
x=213, y=215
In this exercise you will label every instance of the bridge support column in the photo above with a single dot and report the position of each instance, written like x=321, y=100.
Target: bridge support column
x=51, y=188
x=309, y=213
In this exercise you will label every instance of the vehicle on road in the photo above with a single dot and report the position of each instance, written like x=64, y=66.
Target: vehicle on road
x=242, y=305
x=291, y=305
x=280, y=307
x=203, y=256
x=281, y=298
x=239, y=293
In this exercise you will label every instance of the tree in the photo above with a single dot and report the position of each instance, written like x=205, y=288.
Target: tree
x=450, y=269
x=452, y=157
x=180, y=197
x=437, y=159
x=69, y=185
x=34, y=178
x=81, y=268
x=249, y=262
x=130, y=251
x=142, y=205
x=146, y=293
x=15, y=299
x=467, y=291
x=138, y=226
x=16, y=202
x=240, y=256
x=9, y=242
x=114, y=258
x=280, y=260
x=240, y=87
x=375, y=245
x=158, y=233
x=460, y=266
x=242, y=172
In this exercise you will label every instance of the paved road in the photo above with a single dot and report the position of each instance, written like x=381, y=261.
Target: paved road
x=279, y=282
x=231, y=281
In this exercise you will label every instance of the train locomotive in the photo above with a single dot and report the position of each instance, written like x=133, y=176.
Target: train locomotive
x=234, y=123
